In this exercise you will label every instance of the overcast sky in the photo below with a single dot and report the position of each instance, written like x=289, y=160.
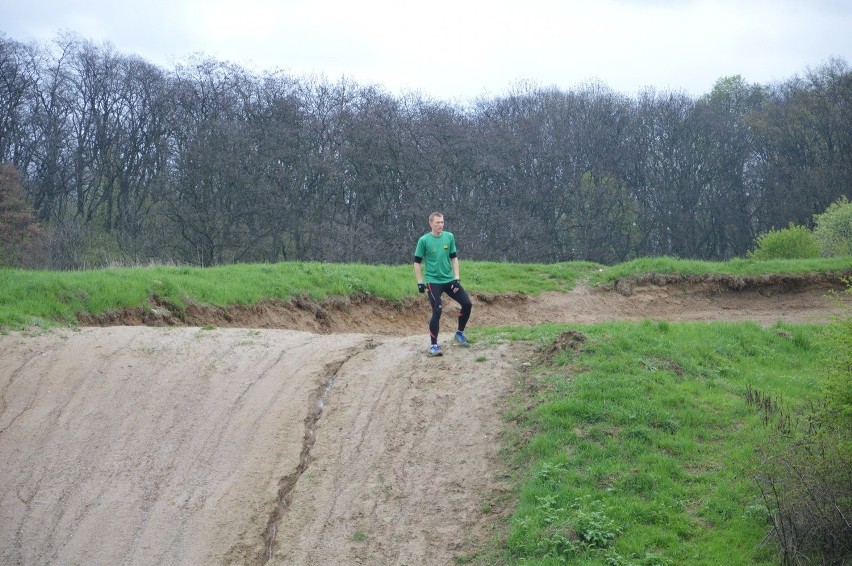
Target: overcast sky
x=457, y=50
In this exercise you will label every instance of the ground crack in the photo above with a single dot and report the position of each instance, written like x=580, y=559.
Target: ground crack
x=317, y=401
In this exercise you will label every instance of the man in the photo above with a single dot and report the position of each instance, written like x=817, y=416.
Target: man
x=436, y=251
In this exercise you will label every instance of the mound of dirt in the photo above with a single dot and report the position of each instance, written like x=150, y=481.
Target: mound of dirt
x=567, y=340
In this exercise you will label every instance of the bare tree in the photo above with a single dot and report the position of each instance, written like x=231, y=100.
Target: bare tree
x=212, y=164
x=805, y=146
x=19, y=76
x=731, y=156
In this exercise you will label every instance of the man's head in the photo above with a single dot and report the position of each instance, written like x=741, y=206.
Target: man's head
x=436, y=223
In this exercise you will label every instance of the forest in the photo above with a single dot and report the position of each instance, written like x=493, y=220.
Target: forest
x=111, y=160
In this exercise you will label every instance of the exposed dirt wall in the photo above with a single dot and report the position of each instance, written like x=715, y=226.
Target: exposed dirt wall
x=766, y=299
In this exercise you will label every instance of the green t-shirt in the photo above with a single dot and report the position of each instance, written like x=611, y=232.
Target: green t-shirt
x=436, y=252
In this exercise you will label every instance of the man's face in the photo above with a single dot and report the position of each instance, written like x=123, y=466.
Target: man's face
x=437, y=225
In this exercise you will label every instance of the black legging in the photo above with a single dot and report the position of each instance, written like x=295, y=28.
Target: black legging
x=455, y=292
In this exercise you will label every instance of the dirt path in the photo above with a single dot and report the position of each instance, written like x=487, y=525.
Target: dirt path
x=342, y=444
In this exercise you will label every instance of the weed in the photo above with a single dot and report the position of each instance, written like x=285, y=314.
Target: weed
x=595, y=529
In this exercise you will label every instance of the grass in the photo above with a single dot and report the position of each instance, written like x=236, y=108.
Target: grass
x=640, y=448
x=735, y=267
x=46, y=298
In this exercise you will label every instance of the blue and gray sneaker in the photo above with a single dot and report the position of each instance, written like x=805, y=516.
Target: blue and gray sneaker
x=435, y=350
x=461, y=339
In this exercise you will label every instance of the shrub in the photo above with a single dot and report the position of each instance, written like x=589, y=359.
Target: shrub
x=793, y=242
x=837, y=388
x=806, y=478
x=806, y=482
x=833, y=229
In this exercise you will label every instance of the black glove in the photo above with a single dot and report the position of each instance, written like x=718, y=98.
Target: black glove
x=421, y=287
x=456, y=283
x=455, y=286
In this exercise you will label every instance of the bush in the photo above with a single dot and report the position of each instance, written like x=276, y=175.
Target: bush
x=806, y=474
x=793, y=242
x=805, y=477
x=837, y=388
x=833, y=229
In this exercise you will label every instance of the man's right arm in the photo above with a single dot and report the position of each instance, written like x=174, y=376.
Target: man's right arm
x=418, y=274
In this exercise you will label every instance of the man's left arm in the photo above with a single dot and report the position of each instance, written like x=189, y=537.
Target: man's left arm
x=454, y=261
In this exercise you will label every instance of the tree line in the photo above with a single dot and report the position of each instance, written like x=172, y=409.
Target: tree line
x=208, y=163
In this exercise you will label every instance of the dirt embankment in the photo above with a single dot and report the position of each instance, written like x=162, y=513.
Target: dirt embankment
x=291, y=433
x=763, y=299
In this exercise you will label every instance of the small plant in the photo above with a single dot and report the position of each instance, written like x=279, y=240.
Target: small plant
x=359, y=536
x=594, y=528
x=549, y=472
x=559, y=546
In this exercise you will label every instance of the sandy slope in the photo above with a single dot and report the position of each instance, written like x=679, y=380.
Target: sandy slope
x=178, y=445
x=135, y=445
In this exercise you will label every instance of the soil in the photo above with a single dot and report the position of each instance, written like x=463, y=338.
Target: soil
x=295, y=432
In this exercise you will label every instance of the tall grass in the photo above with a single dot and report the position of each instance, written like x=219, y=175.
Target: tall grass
x=640, y=446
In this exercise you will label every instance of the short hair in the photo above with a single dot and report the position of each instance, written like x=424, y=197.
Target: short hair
x=435, y=215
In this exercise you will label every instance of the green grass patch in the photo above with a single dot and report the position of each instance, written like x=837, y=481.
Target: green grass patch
x=50, y=297
x=44, y=298
x=639, y=448
x=531, y=279
x=735, y=267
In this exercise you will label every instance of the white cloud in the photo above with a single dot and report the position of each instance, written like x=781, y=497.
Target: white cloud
x=453, y=49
